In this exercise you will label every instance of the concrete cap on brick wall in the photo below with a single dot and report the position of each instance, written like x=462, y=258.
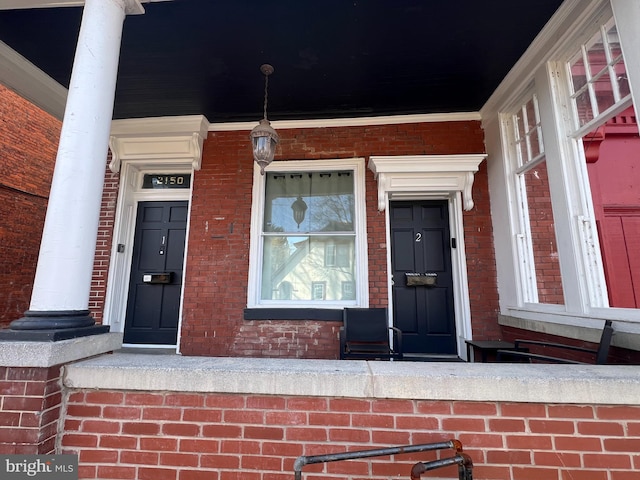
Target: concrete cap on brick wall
x=580, y=384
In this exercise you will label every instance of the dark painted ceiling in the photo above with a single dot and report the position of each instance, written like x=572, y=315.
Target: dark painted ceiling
x=332, y=58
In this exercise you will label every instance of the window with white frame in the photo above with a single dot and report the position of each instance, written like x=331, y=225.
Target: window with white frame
x=606, y=131
x=599, y=80
x=540, y=277
x=308, y=235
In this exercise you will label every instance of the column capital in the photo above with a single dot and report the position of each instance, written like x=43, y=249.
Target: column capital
x=131, y=7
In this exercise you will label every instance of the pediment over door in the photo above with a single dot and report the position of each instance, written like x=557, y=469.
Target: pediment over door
x=421, y=176
x=175, y=140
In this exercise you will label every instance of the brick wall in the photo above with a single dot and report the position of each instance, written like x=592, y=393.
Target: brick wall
x=28, y=146
x=103, y=244
x=543, y=236
x=188, y=436
x=218, y=257
x=30, y=405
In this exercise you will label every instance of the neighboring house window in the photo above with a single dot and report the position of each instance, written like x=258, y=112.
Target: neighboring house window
x=308, y=230
x=318, y=290
x=535, y=235
x=330, y=255
x=338, y=255
x=347, y=291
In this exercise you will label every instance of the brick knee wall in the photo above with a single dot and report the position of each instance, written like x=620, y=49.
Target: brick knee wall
x=190, y=436
x=30, y=405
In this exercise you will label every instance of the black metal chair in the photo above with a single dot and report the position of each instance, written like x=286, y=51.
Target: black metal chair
x=364, y=335
x=521, y=353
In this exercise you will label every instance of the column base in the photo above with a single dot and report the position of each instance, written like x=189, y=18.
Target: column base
x=52, y=326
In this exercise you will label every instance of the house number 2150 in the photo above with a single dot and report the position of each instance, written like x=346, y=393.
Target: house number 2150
x=418, y=237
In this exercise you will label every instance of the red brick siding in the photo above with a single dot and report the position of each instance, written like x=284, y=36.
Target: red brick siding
x=28, y=146
x=543, y=237
x=182, y=436
x=217, y=263
x=481, y=263
x=30, y=404
x=103, y=245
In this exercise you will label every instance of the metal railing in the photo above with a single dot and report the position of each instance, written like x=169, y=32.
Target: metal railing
x=465, y=465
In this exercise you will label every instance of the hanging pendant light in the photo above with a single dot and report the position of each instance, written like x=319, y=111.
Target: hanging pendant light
x=299, y=208
x=263, y=137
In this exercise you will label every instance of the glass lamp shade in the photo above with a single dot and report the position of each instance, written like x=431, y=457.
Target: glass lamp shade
x=264, y=139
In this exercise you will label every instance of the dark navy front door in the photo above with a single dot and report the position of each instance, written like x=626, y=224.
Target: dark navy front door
x=153, y=306
x=422, y=279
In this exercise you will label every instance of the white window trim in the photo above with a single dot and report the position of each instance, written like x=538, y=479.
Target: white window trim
x=357, y=166
x=520, y=222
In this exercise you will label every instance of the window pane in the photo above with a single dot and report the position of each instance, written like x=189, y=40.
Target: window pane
x=309, y=202
x=535, y=143
x=528, y=134
x=621, y=77
x=578, y=74
x=543, y=238
x=595, y=56
x=614, y=176
x=614, y=42
x=583, y=105
x=604, y=92
x=295, y=266
x=532, y=118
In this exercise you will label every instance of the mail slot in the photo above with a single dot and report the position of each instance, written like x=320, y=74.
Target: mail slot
x=421, y=279
x=163, y=277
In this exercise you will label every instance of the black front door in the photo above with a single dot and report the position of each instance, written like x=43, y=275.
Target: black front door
x=422, y=281
x=156, y=273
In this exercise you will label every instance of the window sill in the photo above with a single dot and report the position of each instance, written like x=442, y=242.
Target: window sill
x=322, y=314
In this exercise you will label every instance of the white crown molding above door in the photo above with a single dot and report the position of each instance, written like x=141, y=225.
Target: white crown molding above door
x=419, y=175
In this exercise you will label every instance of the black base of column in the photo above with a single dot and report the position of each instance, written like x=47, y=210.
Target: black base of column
x=52, y=326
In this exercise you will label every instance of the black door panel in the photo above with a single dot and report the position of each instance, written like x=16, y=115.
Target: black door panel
x=420, y=244
x=158, y=252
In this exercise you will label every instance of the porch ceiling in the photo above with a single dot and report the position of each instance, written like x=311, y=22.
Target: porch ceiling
x=335, y=58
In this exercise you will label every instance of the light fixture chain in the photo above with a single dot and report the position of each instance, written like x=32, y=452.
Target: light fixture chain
x=266, y=89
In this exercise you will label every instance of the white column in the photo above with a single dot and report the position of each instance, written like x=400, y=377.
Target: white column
x=63, y=276
x=627, y=17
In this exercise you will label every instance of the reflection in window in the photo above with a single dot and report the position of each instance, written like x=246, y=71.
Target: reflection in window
x=543, y=238
x=538, y=253
x=612, y=154
x=308, y=236
x=285, y=290
x=318, y=290
x=606, y=124
x=348, y=292
x=598, y=74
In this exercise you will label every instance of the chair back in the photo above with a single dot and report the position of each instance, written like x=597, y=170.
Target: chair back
x=366, y=325
x=605, y=342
